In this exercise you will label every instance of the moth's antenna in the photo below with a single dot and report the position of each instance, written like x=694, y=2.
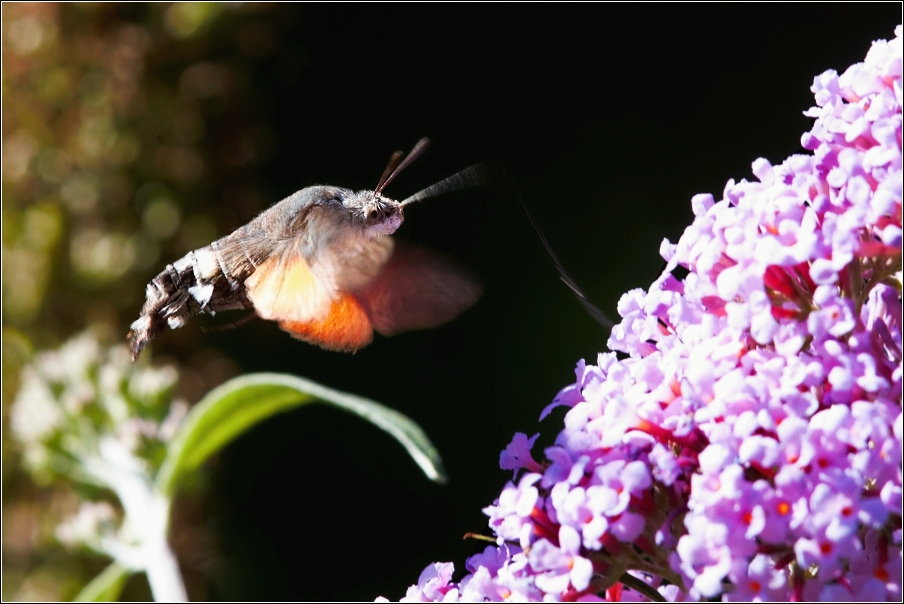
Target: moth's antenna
x=394, y=167
x=591, y=308
x=393, y=162
x=472, y=176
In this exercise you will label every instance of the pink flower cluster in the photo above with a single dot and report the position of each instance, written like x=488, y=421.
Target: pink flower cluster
x=749, y=447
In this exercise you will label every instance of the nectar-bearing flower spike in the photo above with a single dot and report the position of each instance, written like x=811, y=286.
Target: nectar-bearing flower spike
x=749, y=446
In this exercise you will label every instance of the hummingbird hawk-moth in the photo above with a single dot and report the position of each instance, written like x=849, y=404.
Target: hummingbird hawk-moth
x=323, y=265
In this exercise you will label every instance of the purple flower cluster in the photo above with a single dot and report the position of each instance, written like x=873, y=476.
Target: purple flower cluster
x=749, y=446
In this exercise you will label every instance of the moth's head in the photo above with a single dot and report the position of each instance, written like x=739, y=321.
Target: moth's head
x=374, y=213
x=365, y=211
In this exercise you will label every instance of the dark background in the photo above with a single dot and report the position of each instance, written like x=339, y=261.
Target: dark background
x=609, y=119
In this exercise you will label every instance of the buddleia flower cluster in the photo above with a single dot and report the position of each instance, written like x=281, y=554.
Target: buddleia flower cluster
x=747, y=445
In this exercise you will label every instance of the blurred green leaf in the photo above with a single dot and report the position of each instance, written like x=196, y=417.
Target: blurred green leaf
x=106, y=586
x=240, y=403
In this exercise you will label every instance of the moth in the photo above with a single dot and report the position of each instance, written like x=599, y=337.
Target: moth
x=323, y=265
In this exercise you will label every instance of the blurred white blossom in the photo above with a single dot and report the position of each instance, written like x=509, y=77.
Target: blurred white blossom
x=87, y=414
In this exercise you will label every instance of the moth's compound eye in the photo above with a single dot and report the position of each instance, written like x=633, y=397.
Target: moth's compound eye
x=374, y=216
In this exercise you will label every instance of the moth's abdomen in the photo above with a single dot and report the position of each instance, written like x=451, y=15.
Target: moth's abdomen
x=200, y=281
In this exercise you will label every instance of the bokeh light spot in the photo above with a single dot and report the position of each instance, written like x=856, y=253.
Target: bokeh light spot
x=185, y=19
x=162, y=217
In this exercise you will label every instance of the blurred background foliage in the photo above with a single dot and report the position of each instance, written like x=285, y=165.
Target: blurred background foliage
x=133, y=133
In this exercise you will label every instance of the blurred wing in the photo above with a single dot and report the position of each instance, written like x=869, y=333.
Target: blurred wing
x=354, y=265
x=418, y=289
x=285, y=289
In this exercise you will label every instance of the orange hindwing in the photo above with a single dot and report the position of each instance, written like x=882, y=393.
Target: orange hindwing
x=346, y=328
x=284, y=289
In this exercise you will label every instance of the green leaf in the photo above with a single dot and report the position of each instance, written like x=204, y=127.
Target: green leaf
x=234, y=407
x=106, y=586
